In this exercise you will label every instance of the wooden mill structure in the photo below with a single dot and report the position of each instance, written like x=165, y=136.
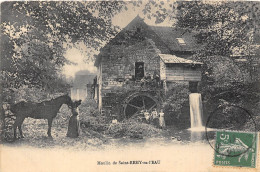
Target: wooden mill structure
x=140, y=65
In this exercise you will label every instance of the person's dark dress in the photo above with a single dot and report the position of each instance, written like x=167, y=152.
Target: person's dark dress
x=74, y=126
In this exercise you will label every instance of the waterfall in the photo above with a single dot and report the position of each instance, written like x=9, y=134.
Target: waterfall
x=195, y=110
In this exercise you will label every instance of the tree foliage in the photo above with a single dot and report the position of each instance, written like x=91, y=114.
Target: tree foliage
x=222, y=27
x=35, y=35
x=226, y=31
x=159, y=10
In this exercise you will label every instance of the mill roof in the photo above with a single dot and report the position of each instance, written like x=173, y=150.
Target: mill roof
x=176, y=39
x=168, y=58
x=167, y=39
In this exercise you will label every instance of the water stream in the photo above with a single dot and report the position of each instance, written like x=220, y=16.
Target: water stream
x=183, y=136
x=195, y=111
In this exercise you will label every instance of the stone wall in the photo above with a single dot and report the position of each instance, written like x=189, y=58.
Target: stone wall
x=118, y=72
x=116, y=77
x=116, y=61
x=119, y=64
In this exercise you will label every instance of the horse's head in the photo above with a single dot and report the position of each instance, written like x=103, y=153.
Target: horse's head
x=67, y=100
x=77, y=103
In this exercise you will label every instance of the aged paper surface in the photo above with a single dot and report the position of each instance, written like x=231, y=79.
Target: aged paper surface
x=150, y=102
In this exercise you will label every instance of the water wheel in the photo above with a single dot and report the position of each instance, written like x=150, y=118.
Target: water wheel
x=137, y=102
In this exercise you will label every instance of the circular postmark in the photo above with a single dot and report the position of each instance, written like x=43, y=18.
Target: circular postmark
x=227, y=119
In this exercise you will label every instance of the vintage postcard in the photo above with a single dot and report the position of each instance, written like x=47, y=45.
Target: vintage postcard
x=154, y=85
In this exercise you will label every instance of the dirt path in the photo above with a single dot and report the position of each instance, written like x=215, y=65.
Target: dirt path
x=35, y=133
x=36, y=152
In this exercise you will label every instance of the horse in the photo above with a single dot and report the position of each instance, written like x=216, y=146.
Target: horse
x=43, y=110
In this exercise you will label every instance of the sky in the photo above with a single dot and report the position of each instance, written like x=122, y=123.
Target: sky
x=77, y=57
x=121, y=20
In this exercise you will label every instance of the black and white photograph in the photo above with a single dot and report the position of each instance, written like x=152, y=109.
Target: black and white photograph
x=153, y=85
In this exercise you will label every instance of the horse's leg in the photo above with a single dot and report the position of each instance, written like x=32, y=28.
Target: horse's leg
x=15, y=127
x=20, y=128
x=49, y=127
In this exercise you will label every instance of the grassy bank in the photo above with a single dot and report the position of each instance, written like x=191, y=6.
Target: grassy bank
x=91, y=120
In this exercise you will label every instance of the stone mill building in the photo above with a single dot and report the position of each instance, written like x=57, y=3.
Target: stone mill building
x=140, y=64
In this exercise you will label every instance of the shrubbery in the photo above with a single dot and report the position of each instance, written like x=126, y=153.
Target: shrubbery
x=90, y=119
x=133, y=129
x=246, y=96
x=176, y=106
x=126, y=128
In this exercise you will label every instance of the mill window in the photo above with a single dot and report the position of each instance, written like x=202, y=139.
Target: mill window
x=139, y=70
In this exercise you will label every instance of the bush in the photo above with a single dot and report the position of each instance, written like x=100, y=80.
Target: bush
x=129, y=128
x=94, y=123
x=176, y=106
x=90, y=118
x=133, y=129
x=243, y=95
x=88, y=107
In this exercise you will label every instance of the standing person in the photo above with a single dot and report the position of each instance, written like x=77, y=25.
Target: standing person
x=154, y=114
x=155, y=118
x=114, y=121
x=148, y=79
x=74, y=124
x=147, y=116
x=143, y=82
x=161, y=119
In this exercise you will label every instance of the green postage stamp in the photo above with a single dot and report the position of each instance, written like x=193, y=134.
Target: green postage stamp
x=236, y=149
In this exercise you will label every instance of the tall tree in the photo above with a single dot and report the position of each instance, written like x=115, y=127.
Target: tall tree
x=223, y=29
x=34, y=36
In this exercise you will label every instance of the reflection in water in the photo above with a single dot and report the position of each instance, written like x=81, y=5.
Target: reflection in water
x=193, y=135
x=196, y=136
x=200, y=135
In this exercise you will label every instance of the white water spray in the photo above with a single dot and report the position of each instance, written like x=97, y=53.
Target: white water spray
x=195, y=110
